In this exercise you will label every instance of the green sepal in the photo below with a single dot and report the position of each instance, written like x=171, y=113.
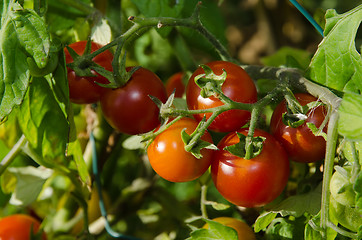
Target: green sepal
x=209, y=82
x=200, y=144
x=238, y=149
x=293, y=120
x=316, y=131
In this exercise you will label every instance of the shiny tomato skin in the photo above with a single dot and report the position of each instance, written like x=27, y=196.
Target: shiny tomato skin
x=300, y=143
x=83, y=90
x=254, y=182
x=18, y=226
x=169, y=159
x=175, y=82
x=129, y=109
x=238, y=86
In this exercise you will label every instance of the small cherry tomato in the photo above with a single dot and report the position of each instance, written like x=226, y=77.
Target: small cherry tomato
x=175, y=82
x=18, y=227
x=300, y=143
x=84, y=89
x=129, y=109
x=250, y=182
x=238, y=86
x=169, y=158
x=245, y=232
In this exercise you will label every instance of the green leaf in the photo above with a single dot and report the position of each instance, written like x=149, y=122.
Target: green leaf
x=44, y=124
x=348, y=217
x=215, y=231
x=264, y=220
x=28, y=183
x=297, y=205
x=350, y=124
x=283, y=228
x=283, y=57
x=32, y=33
x=357, y=187
x=134, y=142
x=337, y=64
x=311, y=231
x=14, y=73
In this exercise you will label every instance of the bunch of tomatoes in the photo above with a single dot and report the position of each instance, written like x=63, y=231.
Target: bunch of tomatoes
x=244, y=182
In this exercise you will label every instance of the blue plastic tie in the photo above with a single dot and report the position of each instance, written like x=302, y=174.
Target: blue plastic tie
x=308, y=16
x=102, y=207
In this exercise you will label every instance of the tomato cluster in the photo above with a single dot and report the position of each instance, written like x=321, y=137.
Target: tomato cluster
x=245, y=182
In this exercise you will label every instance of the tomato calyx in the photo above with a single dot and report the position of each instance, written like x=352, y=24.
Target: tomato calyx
x=239, y=149
x=209, y=82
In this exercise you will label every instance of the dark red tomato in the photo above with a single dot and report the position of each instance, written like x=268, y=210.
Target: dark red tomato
x=300, y=143
x=238, y=86
x=18, y=227
x=84, y=89
x=129, y=108
x=253, y=182
x=169, y=159
x=175, y=82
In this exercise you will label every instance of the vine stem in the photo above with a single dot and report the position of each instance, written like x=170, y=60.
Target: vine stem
x=203, y=201
x=332, y=137
x=12, y=154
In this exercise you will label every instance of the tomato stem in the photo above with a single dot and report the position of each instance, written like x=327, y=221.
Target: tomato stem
x=12, y=154
x=203, y=201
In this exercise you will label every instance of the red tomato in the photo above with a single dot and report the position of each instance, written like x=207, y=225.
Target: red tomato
x=238, y=86
x=175, y=82
x=84, y=89
x=300, y=143
x=129, y=108
x=253, y=182
x=245, y=232
x=169, y=159
x=18, y=227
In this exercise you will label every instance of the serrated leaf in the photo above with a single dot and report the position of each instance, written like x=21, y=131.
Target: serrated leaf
x=14, y=73
x=215, y=231
x=337, y=64
x=350, y=124
x=29, y=183
x=264, y=220
x=44, y=124
x=32, y=33
x=297, y=205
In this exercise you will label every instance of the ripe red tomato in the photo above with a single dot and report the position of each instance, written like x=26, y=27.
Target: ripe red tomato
x=175, y=82
x=244, y=231
x=18, y=227
x=129, y=108
x=300, y=143
x=238, y=86
x=169, y=159
x=84, y=89
x=253, y=182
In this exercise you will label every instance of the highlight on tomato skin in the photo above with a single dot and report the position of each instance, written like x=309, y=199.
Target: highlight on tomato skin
x=18, y=227
x=170, y=160
x=251, y=182
x=129, y=109
x=300, y=143
x=238, y=86
x=83, y=90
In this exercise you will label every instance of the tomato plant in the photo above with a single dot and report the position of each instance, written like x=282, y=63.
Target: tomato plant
x=244, y=231
x=300, y=142
x=175, y=83
x=250, y=182
x=83, y=89
x=19, y=227
x=238, y=86
x=169, y=159
x=129, y=108
x=152, y=158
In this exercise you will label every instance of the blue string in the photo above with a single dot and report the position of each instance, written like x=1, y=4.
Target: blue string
x=102, y=207
x=308, y=16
